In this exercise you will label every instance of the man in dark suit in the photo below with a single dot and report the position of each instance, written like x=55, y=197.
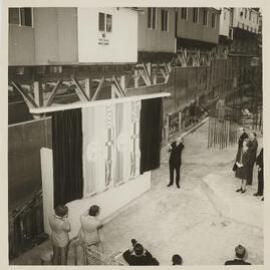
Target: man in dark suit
x=175, y=150
x=259, y=162
x=138, y=255
x=252, y=150
x=240, y=253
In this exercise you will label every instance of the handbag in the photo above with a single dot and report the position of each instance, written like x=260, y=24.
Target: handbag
x=234, y=167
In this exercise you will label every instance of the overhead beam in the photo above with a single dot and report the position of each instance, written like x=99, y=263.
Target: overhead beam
x=97, y=103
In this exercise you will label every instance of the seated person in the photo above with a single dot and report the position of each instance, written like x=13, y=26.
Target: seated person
x=137, y=255
x=177, y=260
x=240, y=253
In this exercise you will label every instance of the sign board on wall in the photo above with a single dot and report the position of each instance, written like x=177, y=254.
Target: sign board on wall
x=103, y=40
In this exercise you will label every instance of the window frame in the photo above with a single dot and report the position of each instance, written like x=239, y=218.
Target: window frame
x=186, y=14
x=203, y=22
x=105, y=25
x=20, y=17
x=152, y=19
x=166, y=14
x=197, y=15
x=213, y=25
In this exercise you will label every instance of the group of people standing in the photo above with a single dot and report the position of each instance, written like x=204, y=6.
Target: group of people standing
x=88, y=235
x=246, y=157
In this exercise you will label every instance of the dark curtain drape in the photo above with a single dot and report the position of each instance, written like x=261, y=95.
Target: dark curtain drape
x=150, y=134
x=67, y=156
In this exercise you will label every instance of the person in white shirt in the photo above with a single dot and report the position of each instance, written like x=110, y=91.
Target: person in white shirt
x=60, y=227
x=90, y=226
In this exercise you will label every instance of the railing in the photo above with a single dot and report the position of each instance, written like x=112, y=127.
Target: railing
x=26, y=226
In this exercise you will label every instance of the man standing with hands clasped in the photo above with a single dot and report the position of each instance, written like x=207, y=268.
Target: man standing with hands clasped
x=175, y=149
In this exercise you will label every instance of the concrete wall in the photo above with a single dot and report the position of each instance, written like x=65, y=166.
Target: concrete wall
x=155, y=40
x=121, y=43
x=21, y=46
x=186, y=28
x=55, y=35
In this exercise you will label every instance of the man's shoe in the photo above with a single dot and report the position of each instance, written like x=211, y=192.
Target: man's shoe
x=262, y=198
x=243, y=191
x=239, y=189
x=256, y=194
x=178, y=186
x=170, y=184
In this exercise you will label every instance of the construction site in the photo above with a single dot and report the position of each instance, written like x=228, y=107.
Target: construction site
x=95, y=95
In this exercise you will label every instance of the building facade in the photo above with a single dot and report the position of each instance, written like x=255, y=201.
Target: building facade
x=46, y=36
x=197, y=27
x=156, y=34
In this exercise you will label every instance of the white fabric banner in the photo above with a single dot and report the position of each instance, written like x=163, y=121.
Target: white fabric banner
x=111, y=153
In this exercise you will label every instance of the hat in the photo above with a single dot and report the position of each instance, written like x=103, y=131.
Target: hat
x=240, y=251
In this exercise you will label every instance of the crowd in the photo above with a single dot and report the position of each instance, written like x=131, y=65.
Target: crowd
x=89, y=235
x=246, y=158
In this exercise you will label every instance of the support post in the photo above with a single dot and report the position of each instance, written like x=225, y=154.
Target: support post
x=136, y=78
x=123, y=83
x=87, y=88
x=38, y=94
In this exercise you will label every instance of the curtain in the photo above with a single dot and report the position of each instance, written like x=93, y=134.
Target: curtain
x=67, y=156
x=150, y=134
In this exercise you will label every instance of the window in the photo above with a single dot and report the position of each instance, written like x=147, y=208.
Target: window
x=205, y=16
x=224, y=15
x=213, y=20
x=164, y=20
x=151, y=18
x=184, y=13
x=20, y=16
x=104, y=22
x=195, y=15
x=250, y=15
x=108, y=23
x=245, y=13
x=101, y=22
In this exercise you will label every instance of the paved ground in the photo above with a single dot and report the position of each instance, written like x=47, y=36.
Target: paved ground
x=203, y=221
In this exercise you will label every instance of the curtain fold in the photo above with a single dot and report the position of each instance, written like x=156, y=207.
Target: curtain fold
x=150, y=134
x=67, y=156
